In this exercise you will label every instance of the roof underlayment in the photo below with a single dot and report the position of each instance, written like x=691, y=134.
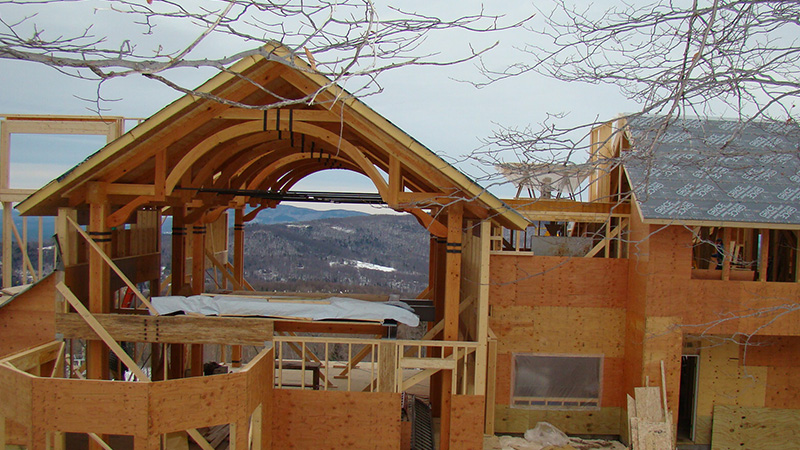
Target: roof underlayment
x=715, y=170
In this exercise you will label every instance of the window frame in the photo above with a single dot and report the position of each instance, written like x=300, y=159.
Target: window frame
x=557, y=404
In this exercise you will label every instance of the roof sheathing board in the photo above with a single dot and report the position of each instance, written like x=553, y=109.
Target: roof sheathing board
x=715, y=171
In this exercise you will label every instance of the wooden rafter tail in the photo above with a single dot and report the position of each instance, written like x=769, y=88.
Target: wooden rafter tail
x=113, y=266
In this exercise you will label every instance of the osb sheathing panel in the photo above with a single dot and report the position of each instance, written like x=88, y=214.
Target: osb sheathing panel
x=551, y=329
x=743, y=428
x=723, y=381
x=335, y=420
x=15, y=395
x=775, y=351
x=552, y=281
x=602, y=421
x=466, y=419
x=783, y=387
x=663, y=342
x=61, y=405
x=198, y=401
x=28, y=320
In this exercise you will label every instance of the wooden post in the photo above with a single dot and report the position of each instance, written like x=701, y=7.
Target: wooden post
x=437, y=256
x=198, y=285
x=452, y=297
x=387, y=367
x=482, y=327
x=727, y=252
x=5, y=182
x=99, y=278
x=763, y=262
x=147, y=442
x=240, y=431
x=176, y=351
x=238, y=271
x=178, y=250
x=797, y=257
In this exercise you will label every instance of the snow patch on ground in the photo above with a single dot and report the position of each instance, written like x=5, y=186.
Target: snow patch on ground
x=297, y=226
x=363, y=265
x=342, y=229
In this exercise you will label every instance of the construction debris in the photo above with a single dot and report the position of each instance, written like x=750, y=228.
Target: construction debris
x=650, y=421
x=545, y=436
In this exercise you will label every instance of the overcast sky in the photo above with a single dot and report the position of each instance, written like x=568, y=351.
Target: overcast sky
x=447, y=116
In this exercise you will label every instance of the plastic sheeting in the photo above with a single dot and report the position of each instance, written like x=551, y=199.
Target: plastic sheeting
x=556, y=377
x=336, y=308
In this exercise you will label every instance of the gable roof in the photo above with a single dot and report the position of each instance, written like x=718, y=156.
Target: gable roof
x=198, y=144
x=714, y=171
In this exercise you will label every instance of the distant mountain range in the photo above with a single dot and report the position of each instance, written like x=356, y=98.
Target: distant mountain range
x=284, y=214
x=365, y=254
x=281, y=214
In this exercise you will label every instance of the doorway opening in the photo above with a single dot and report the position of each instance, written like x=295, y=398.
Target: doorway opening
x=687, y=401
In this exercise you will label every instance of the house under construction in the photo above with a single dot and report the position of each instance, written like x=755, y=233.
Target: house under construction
x=679, y=270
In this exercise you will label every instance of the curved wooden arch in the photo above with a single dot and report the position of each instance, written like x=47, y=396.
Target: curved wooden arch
x=249, y=161
x=212, y=142
x=274, y=168
x=223, y=157
x=288, y=179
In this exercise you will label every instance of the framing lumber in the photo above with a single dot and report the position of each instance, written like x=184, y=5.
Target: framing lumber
x=171, y=329
x=99, y=251
x=101, y=332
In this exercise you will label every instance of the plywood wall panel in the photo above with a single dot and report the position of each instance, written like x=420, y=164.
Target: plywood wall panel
x=559, y=330
x=90, y=405
x=319, y=420
x=755, y=428
x=551, y=281
x=602, y=421
x=783, y=387
x=198, y=401
x=466, y=421
x=28, y=319
x=775, y=351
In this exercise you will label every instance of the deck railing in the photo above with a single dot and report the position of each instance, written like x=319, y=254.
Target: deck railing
x=380, y=365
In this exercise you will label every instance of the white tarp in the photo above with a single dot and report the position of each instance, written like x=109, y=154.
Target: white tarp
x=307, y=309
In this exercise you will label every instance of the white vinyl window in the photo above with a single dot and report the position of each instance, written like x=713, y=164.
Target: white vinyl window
x=556, y=381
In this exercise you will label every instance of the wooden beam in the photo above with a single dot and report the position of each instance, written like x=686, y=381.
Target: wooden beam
x=33, y=357
x=433, y=226
x=568, y=210
x=15, y=195
x=171, y=329
x=395, y=182
x=101, y=332
x=284, y=325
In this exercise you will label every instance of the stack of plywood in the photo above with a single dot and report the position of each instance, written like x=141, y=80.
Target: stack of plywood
x=650, y=422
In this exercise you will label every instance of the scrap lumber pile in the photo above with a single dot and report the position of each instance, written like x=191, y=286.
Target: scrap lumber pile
x=650, y=422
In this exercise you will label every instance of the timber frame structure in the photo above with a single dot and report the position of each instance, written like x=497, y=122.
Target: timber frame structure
x=194, y=161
